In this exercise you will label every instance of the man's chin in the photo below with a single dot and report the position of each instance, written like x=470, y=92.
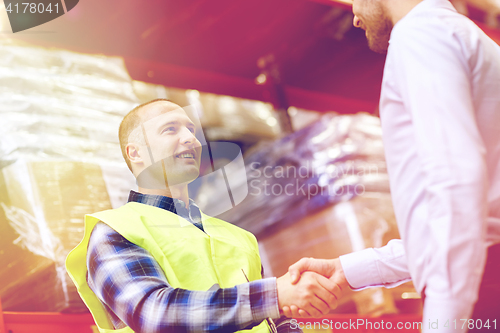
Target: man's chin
x=378, y=49
x=154, y=177
x=378, y=37
x=188, y=176
x=378, y=46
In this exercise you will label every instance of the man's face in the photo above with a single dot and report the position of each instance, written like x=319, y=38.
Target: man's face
x=170, y=136
x=372, y=16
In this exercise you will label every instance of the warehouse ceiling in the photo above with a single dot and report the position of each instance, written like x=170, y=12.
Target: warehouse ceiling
x=307, y=50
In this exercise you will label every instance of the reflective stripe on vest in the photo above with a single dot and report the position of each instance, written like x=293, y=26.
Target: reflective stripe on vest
x=191, y=259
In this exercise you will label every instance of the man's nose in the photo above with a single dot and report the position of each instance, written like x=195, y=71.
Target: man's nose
x=187, y=136
x=356, y=22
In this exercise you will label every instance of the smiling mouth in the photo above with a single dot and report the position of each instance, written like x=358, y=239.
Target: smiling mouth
x=185, y=155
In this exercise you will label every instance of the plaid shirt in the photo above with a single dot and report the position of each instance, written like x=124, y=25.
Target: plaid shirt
x=135, y=292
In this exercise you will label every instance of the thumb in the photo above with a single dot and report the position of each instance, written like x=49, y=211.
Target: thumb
x=297, y=269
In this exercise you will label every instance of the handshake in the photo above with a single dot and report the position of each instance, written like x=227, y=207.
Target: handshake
x=311, y=287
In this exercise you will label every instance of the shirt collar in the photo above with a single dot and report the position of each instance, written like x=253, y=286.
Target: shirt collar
x=163, y=202
x=427, y=5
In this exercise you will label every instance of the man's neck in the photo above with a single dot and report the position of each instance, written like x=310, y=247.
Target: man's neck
x=399, y=8
x=175, y=192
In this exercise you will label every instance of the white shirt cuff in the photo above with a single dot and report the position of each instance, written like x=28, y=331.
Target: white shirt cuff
x=360, y=269
x=382, y=267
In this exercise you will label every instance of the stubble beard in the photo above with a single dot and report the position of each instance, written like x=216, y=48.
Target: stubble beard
x=178, y=174
x=166, y=173
x=379, y=31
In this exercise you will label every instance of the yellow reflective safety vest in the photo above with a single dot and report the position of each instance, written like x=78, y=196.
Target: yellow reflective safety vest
x=191, y=259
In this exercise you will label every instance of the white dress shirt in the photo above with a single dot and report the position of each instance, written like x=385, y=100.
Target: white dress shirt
x=440, y=112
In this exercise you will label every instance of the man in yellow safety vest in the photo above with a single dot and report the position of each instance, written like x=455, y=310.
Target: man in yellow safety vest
x=158, y=264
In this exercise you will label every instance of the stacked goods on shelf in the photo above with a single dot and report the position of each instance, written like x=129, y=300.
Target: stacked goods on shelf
x=327, y=162
x=322, y=191
x=223, y=118
x=42, y=205
x=59, y=159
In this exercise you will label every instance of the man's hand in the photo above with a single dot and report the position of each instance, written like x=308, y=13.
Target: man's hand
x=332, y=269
x=313, y=294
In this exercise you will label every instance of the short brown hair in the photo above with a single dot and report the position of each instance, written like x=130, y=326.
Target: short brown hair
x=130, y=122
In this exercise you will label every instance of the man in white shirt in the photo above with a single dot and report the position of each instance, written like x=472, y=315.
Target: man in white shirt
x=440, y=113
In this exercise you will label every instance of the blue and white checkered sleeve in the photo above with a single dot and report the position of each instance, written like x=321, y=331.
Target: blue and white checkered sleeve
x=129, y=281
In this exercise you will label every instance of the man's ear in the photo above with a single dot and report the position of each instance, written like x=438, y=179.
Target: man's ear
x=133, y=151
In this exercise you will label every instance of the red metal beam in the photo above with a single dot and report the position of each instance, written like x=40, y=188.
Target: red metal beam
x=318, y=101
x=189, y=78
x=342, y=4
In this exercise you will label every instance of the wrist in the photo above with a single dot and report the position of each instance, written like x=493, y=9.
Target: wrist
x=339, y=274
x=263, y=298
x=279, y=292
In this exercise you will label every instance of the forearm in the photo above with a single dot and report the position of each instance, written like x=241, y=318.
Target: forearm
x=227, y=310
x=382, y=267
x=129, y=281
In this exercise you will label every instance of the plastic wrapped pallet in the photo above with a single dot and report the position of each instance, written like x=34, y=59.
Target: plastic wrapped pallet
x=42, y=204
x=333, y=160
x=321, y=192
x=224, y=118
x=59, y=159
x=235, y=119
